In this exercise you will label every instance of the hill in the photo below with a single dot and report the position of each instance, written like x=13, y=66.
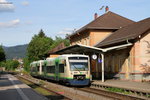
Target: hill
x=18, y=51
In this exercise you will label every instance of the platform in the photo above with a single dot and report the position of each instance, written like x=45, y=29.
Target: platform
x=129, y=85
x=12, y=89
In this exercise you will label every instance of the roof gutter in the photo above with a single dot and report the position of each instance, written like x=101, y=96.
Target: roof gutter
x=109, y=48
x=117, y=47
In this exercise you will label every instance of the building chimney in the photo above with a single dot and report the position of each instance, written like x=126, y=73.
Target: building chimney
x=106, y=9
x=95, y=15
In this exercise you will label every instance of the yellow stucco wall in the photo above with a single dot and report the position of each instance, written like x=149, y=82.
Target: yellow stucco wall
x=97, y=36
x=90, y=38
x=144, y=54
x=80, y=38
x=141, y=55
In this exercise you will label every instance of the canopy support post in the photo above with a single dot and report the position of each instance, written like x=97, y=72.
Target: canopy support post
x=102, y=55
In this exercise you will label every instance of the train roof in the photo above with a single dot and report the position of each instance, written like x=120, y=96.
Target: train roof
x=49, y=58
x=40, y=61
x=73, y=55
x=67, y=55
x=34, y=63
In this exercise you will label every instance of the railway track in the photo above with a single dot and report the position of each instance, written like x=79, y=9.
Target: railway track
x=110, y=95
x=85, y=93
x=53, y=95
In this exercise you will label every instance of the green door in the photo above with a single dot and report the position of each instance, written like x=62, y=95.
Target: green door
x=57, y=70
x=45, y=71
x=45, y=68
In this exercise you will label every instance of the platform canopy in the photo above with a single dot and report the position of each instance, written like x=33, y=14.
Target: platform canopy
x=78, y=49
x=84, y=49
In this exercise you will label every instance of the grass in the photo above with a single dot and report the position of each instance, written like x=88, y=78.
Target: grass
x=121, y=91
x=118, y=90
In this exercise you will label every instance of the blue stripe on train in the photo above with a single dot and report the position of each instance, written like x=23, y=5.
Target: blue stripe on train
x=79, y=82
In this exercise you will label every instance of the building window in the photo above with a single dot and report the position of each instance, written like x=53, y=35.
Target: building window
x=80, y=42
x=88, y=41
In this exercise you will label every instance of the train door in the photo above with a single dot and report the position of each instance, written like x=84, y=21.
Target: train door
x=56, y=71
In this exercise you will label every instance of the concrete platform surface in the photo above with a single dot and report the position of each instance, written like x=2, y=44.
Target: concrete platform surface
x=12, y=89
x=139, y=86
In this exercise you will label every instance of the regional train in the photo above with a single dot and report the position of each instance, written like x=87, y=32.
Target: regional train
x=70, y=69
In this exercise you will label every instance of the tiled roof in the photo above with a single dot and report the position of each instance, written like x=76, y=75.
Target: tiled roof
x=131, y=31
x=108, y=20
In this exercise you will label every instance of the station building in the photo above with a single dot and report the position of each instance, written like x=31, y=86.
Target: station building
x=132, y=62
x=121, y=46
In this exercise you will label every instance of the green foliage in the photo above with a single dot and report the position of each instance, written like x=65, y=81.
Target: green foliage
x=26, y=64
x=41, y=33
x=66, y=42
x=38, y=46
x=115, y=90
x=11, y=64
x=2, y=54
x=59, y=40
x=2, y=64
x=15, y=64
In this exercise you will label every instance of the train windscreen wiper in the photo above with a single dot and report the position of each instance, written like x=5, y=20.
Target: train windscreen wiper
x=76, y=67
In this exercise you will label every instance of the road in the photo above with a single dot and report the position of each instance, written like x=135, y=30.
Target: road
x=12, y=89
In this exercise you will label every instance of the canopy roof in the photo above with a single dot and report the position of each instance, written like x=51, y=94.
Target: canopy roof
x=84, y=49
x=78, y=49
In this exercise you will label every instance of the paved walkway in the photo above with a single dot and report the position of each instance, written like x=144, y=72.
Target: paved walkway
x=139, y=86
x=12, y=89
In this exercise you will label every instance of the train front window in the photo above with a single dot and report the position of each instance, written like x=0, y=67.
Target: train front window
x=78, y=63
x=78, y=66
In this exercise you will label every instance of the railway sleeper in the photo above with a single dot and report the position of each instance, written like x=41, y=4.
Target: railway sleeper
x=133, y=92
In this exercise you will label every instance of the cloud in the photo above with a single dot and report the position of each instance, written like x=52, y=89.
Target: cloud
x=63, y=33
x=6, y=6
x=25, y=3
x=9, y=24
x=66, y=31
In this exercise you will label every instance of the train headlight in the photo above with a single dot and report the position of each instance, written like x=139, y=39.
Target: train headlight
x=79, y=77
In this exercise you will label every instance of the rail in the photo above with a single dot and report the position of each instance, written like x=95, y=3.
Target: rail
x=81, y=93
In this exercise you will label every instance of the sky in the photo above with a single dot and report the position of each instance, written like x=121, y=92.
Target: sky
x=20, y=20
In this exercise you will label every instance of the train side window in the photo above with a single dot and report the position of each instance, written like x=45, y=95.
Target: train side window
x=61, y=68
x=38, y=68
x=43, y=68
x=50, y=69
x=33, y=69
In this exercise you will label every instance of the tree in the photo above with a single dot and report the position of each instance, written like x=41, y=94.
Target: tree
x=41, y=33
x=2, y=54
x=26, y=64
x=2, y=64
x=59, y=40
x=15, y=64
x=38, y=46
x=11, y=64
